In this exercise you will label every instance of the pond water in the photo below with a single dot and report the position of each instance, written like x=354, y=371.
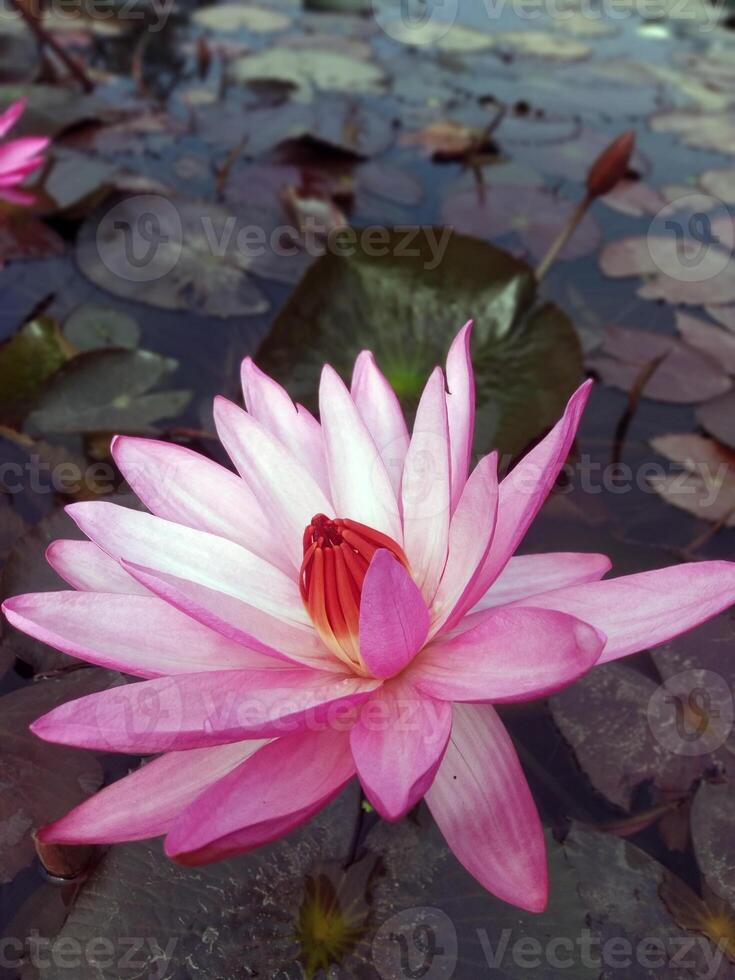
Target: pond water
x=210, y=122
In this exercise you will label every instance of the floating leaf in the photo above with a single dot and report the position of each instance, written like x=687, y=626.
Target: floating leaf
x=176, y=254
x=713, y=813
x=709, y=915
x=708, y=338
x=621, y=886
x=39, y=782
x=682, y=376
x=391, y=183
x=723, y=314
x=51, y=108
x=404, y=301
x=704, y=131
x=604, y=717
x=91, y=327
x=108, y=391
x=27, y=361
x=708, y=489
x=229, y=919
x=720, y=184
x=307, y=70
x=535, y=217
x=543, y=44
x=718, y=418
x=572, y=158
x=76, y=180
x=241, y=16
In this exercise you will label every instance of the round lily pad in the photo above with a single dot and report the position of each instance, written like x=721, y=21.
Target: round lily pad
x=404, y=297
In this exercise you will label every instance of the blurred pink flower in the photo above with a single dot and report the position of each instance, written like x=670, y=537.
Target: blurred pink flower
x=349, y=604
x=18, y=158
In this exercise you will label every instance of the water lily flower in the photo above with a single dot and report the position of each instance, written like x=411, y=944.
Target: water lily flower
x=18, y=158
x=349, y=604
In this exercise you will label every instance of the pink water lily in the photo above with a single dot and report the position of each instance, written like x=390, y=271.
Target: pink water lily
x=18, y=158
x=348, y=604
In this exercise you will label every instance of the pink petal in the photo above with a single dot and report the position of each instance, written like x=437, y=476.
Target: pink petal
x=197, y=556
x=146, y=803
x=525, y=489
x=11, y=115
x=507, y=657
x=426, y=489
x=244, y=624
x=637, y=612
x=398, y=744
x=135, y=634
x=286, y=491
x=87, y=568
x=481, y=801
x=394, y=620
x=361, y=487
x=381, y=412
x=528, y=575
x=22, y=154
x=460, y=408
x=270, y=794
x=470, y=537
x=190, y=711
x=271, y=406
x=182, y=486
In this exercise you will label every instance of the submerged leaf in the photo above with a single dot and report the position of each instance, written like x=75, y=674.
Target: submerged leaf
x=176, y=254
x=107, y=391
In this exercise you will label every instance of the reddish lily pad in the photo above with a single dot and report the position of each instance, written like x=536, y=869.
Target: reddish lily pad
x=535, y=217
x=706, y=489
x=708, y=338
x=718, y=418
x=683, y=376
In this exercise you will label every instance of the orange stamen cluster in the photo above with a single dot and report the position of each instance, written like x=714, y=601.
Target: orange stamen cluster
x=337, y=554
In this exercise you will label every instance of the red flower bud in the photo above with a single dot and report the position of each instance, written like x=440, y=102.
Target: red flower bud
x=611, y=165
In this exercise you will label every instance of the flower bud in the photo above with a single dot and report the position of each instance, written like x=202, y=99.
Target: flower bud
x=611, y=165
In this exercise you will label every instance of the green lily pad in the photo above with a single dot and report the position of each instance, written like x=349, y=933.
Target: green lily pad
x=307, y=70
x=406, y=303
x=107, y=391
x=633, y=932
x=27, y=361
x=236, y=918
